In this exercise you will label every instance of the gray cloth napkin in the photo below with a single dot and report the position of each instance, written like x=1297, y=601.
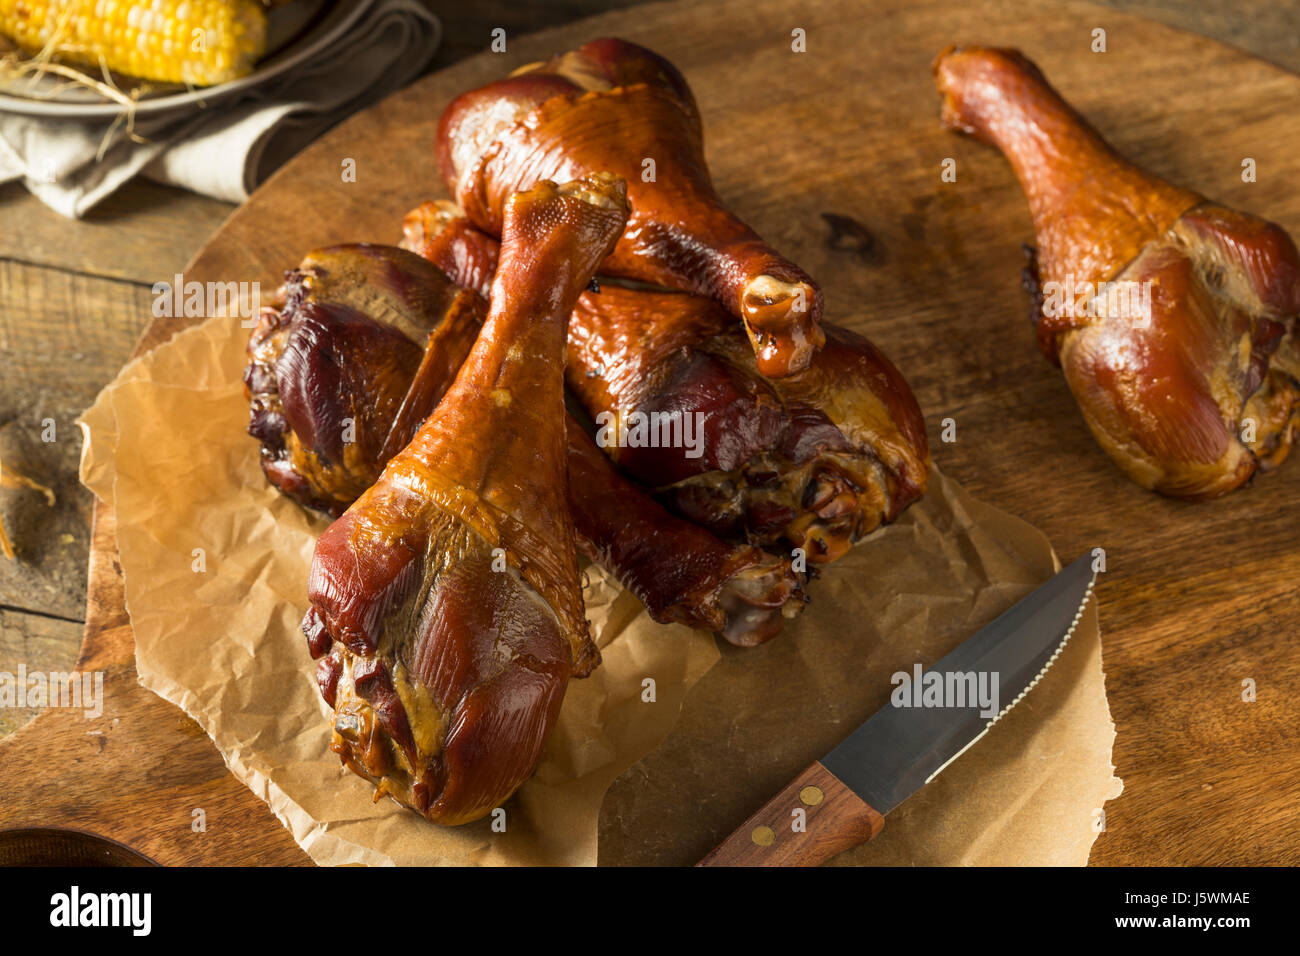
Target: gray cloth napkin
x=227, y=149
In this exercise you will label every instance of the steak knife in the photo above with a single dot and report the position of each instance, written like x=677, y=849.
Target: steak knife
x=845, y=795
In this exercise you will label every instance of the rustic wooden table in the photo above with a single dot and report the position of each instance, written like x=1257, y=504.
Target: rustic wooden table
x=75, y=295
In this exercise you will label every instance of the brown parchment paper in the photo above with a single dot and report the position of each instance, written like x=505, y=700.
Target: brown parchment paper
x=215, y=566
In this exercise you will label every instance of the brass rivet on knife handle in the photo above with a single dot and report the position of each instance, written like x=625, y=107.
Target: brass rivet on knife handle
x=814, y=818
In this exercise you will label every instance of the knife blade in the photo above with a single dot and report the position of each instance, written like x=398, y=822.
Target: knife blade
x=840, y=801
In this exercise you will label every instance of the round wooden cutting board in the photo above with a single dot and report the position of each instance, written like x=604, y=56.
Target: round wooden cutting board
x=834, y=155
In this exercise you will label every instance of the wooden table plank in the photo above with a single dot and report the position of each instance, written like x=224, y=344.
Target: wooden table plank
x=38, y=643
x=62, y=335
x=143, y=233
x=1265, y=28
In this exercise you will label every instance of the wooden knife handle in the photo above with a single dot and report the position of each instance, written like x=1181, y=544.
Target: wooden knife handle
x=834, y=819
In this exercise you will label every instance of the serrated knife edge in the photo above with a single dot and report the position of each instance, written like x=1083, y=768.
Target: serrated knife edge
x=1078, y=616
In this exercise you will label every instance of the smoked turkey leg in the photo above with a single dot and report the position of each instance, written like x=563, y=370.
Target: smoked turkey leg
x=614, y=105
x=1186, y=366
x=446, y=610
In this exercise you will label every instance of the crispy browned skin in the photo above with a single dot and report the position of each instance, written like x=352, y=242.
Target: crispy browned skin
x=681, y=572
x=329, y=372
x=819, y=458
x=446, y=609
x=1196, y=396
x=611, y=105
x=816, y=459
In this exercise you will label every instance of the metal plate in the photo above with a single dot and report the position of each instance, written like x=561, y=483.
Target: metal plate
x=298, y=32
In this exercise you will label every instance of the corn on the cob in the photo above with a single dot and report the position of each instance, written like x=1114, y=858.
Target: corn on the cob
x=200, y=42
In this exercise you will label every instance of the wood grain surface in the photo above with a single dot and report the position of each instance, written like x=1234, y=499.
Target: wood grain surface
x=834, y=155
x=813, y=818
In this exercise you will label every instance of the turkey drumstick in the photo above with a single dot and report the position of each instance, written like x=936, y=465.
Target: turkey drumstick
x=446, y=610
x=613, y=105
x=1173, y=318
